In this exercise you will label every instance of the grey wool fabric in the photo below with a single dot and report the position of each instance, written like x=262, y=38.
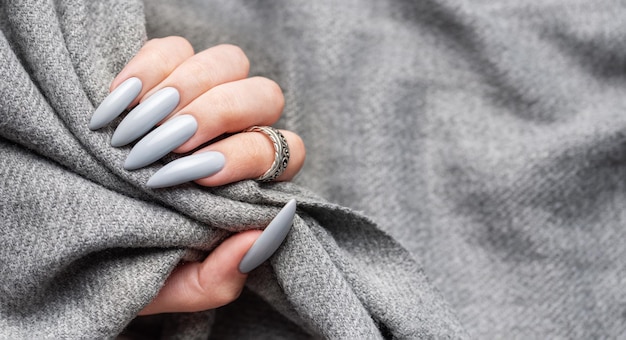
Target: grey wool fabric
x=465, y=175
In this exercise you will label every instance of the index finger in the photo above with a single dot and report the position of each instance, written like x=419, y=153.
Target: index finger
x=154, y=62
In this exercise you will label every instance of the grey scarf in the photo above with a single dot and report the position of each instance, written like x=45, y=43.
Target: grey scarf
x=483, y=139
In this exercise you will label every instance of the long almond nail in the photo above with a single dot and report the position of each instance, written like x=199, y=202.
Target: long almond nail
x=145, y=116
x=187, y=169
x=161, y=141
x=271, y=238
x=115, y=103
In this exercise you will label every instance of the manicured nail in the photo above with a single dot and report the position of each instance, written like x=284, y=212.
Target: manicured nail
x=161, y=141
x=271, y=238
x=115, y=103
x=145, y=116
x=187, y=169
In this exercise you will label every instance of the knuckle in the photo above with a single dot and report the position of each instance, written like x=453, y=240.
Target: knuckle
x=179, y=44
x=218, y=290
x=202, y=71
x=227, y=103
x=271, y=95
x=152, y=43
x=227, y=294
x=164, y=54
x=237, y=56
x=275, y=95
x=160, y=61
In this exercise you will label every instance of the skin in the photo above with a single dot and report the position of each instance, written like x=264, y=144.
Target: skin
x=215, y=89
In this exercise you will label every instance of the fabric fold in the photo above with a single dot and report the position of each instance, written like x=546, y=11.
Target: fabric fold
x=86, y=244
x=464, y=176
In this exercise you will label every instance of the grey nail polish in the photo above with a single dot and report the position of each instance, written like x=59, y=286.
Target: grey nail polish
x=115, y=103
x=271, y=238
x=145, y=116
x=161, y=141
x=187, y=169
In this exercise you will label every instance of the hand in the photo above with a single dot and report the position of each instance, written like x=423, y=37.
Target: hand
x=197, y=98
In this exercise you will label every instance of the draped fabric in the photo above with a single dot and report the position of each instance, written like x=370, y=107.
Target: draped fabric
x=464, y=175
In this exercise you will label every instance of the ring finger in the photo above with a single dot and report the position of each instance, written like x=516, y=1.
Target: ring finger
x=245, y=155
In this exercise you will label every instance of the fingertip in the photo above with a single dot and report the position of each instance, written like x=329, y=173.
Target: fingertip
x=271, y=238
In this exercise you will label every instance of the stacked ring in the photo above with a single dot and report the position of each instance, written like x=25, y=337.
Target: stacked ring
x=281, y=152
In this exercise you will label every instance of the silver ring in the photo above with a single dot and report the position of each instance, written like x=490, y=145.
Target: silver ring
x=281, y=152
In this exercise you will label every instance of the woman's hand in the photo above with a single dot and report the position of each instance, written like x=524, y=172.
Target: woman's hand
x=201, y=97
x=196, y=98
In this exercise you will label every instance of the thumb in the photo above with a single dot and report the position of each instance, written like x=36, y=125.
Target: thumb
x=219, y=279
x=212, y=283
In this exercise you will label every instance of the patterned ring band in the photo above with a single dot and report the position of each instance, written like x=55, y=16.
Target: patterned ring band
x=281, y=152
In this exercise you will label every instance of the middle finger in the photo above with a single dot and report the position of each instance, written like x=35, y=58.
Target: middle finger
x=232, y=107
x=205, y=70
